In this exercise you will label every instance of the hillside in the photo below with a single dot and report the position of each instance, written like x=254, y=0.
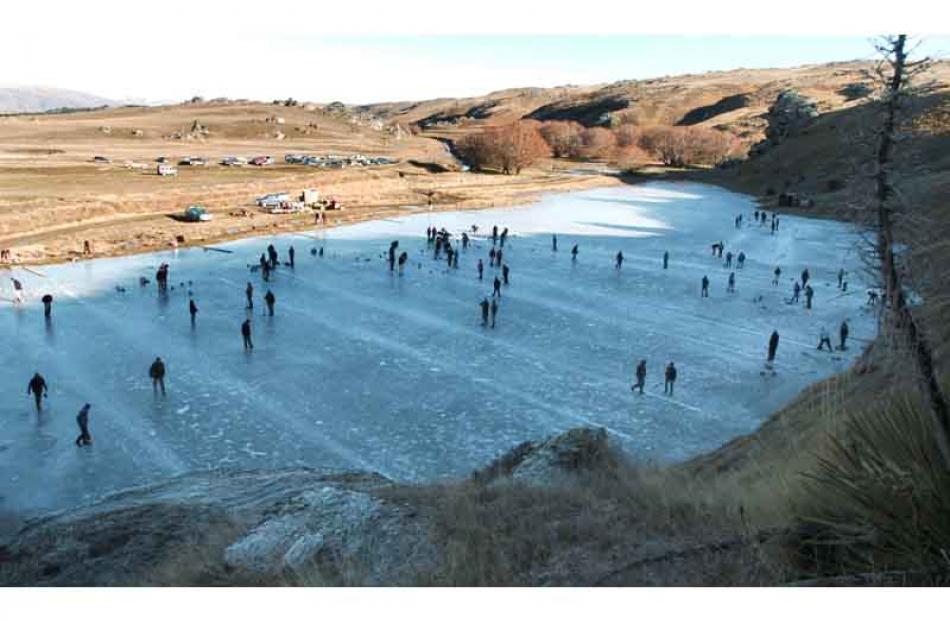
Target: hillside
x=21, y=99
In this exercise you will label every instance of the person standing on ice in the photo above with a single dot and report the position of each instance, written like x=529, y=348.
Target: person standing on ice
x=796, y=291
x=641, y=375
x=729, y=259
x=491, y=258
x=805, y=277
x=504, y=236
x=392, y=255
x=494, y=235
x=824, y=339
x=484, y=304
x=246, y=334
x=740, y=260
x=666, y=259
x=497, y=291
x=504, y=273
x=249, y=294
x=265, y=271
x=82, y=419
x=193, y=310
x=774, y=224
x=843, y=334
x=554, y=242
x=809, y=294
x=464, y=240
x=272, y=254
x=731, y=287
x=498, y=256
x=777, y=273
x=290, y=253
x=669, y=377
x=47, y=305
x=494, y=312
x=37, y=386
x=840, y=277
x=157, y=373
x=438, y=247
x=619, y=261
x=449, y=251
x=402, y=261
x=481, y=269
x=455, y=260
x=773, y=346
x=705, y=290
x=269, y=299
x=574, y=253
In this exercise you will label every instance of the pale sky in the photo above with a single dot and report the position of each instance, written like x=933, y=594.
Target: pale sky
x=169, y=51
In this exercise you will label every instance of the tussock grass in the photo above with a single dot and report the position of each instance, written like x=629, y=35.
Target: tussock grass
x=879, y=498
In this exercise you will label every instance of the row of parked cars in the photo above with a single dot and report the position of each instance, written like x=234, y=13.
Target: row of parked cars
x=337, y=161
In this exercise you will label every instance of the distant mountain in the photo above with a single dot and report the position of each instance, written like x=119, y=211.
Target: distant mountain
x=43, y=99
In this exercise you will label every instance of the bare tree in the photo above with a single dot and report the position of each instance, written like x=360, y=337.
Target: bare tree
x=508, y=148
x=897, y=73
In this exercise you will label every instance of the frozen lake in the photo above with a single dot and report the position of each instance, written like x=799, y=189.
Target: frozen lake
x=365, y=369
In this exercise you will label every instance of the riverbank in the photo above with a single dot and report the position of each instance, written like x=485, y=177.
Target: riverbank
x=138, y=227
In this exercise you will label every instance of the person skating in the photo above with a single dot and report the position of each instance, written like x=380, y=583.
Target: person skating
x=192, y=310
x=392, y=255
x=491, y=258
x=777, y=273
x=47, y=305
x=705, y=290
x=484, y=304
x=402, y=261
x=824, y=339
x=504, y=236
x=497, y=291
x=729, y=259
x=265, y=271
x=809, y=294
x=249, y=294
x=37, y=386
x=618, y=263
x=805, y=277
x=773, y=346
x=438, y=247
x=666, y=259
x=843, y=334
x=291, y=253
x=721, y=246
x=272, y=254
x=481, y=269
x=796, y=291
x=740, y=260
x=840, y=277
x=263, y=262
x=574, y=253
x=494, y=235
x=756, y=216
x=449, y=251
x=731, y=287
x=554, y=243
x=494, y=312
x=774, y=226
x=504, y=273
x=498, y=256
x=157, y=373
x=641, y=375
x=669, y=379
x=82, y=419
x=246, y=334
x=872, y=297
x=269, y=299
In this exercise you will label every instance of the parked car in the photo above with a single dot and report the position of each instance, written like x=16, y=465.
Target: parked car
x=197, y=213
x=271, y=200
x=233, y=161
x=262, y=160
x=101, y=159
x=193, y=161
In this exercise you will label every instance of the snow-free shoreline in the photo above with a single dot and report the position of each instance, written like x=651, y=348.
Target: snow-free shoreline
x=364, y=369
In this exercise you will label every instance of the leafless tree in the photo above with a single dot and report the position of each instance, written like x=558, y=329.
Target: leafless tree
x=897, y=73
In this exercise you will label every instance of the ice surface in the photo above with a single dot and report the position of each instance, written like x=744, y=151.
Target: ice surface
x=365, y=369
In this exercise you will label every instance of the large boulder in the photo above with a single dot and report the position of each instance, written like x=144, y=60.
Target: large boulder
x=281, y=527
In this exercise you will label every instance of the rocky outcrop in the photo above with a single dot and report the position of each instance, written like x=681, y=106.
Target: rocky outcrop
x=297, y=526
x=788, y=116
x=555, y=460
